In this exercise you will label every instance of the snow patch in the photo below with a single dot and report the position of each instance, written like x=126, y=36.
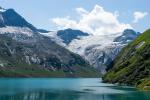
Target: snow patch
x=2, y=9
x=1, y=65
x=54, y=37
x=16, y=30
x=27, y=59
x=140, y=44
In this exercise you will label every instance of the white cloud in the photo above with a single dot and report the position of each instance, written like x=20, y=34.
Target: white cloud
x=97, y=22
x=64, y=22
x=139, y=15
x=81, y=11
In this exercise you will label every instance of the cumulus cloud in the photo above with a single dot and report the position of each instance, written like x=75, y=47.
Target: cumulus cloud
x=139, y=15
x=97, y=21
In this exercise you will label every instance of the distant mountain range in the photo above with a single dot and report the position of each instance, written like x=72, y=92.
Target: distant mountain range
x=25, y=52
x=99, y=50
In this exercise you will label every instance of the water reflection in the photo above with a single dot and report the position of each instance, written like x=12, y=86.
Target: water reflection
x=74, y=95
x=66, y=89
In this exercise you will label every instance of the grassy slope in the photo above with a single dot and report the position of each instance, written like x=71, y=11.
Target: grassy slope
x=132, y=66
x=35, y=71
x=25, y=70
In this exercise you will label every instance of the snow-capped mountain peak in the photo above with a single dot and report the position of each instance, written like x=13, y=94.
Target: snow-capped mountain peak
x=99, y=50
x=14, y=25
x=127, y=36
x=11, y=18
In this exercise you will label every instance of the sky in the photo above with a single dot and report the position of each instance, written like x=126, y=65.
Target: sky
x=93, y=16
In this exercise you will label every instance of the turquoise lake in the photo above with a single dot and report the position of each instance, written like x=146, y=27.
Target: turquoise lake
x=66, y=89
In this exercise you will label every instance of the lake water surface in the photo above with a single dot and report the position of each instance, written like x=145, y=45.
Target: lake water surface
x=66, y=89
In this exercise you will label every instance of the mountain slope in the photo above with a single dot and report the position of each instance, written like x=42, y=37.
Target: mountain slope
x=25, y=52
x=40, y=59
x=99, y=50
x=132, y=66
x=127, y=36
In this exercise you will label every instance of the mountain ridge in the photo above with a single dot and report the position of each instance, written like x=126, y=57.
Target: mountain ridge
x=98, y=50
x=26, y=53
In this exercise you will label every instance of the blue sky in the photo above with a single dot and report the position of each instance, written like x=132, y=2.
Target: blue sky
x=40, y=12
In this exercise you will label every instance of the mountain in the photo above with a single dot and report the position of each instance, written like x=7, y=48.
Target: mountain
x=127, y=36
x=11, y=18
x=99, y=50
x=132, y=65
x=68, y=35
x=24, y=52
x=20, y=29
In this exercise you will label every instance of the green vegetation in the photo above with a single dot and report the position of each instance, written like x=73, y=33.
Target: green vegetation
x=132, y=66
